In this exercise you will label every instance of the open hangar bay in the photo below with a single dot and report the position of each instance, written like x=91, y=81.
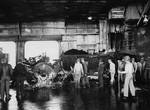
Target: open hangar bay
x=49, y=37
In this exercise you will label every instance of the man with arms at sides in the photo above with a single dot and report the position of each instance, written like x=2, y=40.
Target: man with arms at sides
x=100, y=72
x=5, y=75
x=78, y=72
x=19, y=75
x=85, y=80
x=112, y=70
x=135, y=68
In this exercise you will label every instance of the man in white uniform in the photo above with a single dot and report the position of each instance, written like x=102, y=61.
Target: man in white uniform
x=78, y=71
x=128, y=84
x=112, y=70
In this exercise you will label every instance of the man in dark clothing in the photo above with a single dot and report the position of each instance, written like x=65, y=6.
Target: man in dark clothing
x=100, y=72
x=5, y=75
x=19, y=75
x=2, y=55
x=85, y=80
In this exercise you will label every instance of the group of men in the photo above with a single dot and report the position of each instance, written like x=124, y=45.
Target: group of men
x=126, y=68
x=80, y=70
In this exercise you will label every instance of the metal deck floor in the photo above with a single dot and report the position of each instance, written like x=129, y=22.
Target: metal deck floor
x=71, y=99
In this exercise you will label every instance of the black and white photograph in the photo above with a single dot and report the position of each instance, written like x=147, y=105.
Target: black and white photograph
x=74, y=54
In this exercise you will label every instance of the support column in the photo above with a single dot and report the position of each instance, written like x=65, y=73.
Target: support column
x=20, y=50
x=103, y=35
x=129, y=37
x=60, y=49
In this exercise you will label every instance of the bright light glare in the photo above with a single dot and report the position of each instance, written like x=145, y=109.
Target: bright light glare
x=36, y=48
x=10, y=48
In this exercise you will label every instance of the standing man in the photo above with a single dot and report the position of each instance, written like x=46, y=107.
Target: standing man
x=139, y=72
x=135, y=68
x=5, y=75
x=85, y=80
x=128, y=84
x=100, y=72
x=19, y=75
x=120, y=77
x=143, y=68
x=112, y=70
x=1, y=54
x=78, y=72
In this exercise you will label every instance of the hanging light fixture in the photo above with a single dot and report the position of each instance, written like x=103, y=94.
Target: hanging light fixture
x=145, y=19
x=90, y=18
x=27, y=30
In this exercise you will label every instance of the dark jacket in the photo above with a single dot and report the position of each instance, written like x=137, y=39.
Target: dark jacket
x=19, y=71
x=5, y=70
x=85, y=69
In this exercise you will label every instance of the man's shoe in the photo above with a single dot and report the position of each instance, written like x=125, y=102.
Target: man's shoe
x=9, y=95
x=133, y=98
x=125, y=99
x=7, y=99
x=84, y=87
x=2, y=100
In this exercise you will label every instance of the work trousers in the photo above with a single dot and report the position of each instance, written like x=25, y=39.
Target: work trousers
x=20, y=86
x=128, y=85
x=146, y=76
x=100, y=78
x=112, y=74
x=77, y=78
x=5, y=87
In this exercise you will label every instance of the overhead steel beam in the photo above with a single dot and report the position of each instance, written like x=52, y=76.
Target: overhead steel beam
x=146, y=8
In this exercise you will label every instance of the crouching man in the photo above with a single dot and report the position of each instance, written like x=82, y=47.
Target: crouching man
x=128, y=84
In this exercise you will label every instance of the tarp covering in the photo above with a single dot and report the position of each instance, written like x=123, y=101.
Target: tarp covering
x=75, y=52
